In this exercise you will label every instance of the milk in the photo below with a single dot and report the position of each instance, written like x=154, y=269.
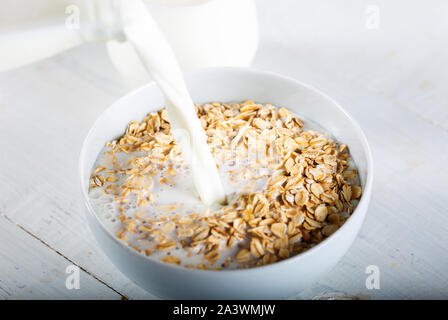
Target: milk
x=181, y=196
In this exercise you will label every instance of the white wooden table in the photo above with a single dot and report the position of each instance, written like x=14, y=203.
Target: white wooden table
x=392, y=79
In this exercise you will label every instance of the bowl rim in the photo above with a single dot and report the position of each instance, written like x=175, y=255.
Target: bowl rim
x=364, y=200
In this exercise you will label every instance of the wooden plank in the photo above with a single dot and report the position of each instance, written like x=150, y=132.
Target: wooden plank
x=401, y=61
x=406, y=228
x=31, y=270
x=60, y=220
x=39, y=187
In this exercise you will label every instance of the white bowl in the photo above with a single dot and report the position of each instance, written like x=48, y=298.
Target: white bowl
x=279, y=280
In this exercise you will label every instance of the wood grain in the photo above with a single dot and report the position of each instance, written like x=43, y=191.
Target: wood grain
x=39, y=272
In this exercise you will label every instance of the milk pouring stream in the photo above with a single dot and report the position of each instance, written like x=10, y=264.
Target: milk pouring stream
x=153, y=49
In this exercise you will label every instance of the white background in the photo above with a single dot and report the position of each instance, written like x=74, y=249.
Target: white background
x=392, y=80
